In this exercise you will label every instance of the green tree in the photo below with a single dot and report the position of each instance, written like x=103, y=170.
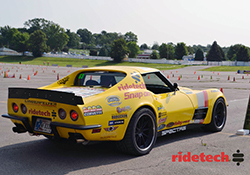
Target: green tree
x=243, y=54
x=118, y=50
x=37, y=42
x=199, y=55
x=57, y=38
x=180, y=50
x=190, y=50
x=20, y=41
x=103, y=52
x=37, y=24
x=133, y=49
x=3, y=31
x=215, y=53
x=155, y=46
x=74, y=39
x=130, y=36
x=154, y=55
x=86, y=36
x=232, y=51
x=163, y=49
x=144, y=46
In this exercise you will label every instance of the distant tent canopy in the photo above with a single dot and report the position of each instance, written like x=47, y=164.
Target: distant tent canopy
x=3, y=49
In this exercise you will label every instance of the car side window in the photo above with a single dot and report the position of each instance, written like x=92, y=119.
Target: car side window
x=155, y=84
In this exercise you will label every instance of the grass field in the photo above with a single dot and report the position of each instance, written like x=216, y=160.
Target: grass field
x=79, y=62
x=227, y=68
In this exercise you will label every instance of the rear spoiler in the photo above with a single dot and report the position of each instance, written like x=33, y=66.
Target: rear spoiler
x=54, y=96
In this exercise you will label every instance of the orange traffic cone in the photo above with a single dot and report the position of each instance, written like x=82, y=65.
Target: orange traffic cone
x=179, y=78
x=199, y=78
x=221, y=90
x=28, y=78
x=20, y=76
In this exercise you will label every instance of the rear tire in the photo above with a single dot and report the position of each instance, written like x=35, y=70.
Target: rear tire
x=141, y=133
x=219, y=116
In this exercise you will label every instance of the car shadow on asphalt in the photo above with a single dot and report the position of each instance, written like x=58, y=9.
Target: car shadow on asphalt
x=44, y=156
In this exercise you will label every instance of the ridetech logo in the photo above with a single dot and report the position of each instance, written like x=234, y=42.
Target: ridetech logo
x=200, y=158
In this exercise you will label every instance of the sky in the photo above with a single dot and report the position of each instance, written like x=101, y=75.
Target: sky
x=153, y=21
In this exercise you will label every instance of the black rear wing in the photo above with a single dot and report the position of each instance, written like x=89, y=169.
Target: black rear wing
x=53, y=96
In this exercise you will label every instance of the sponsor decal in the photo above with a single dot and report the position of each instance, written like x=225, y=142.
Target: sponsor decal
x=197, y=121
x=92, y=110
x=113, y=100
x=170, y=124
x=119, y=116
x=123, y=87
x=136, y=76
x=116, y=122
x=63, y=81
x=162, y=114
x=162, y=120
x=169, y=96
x=130, y=95
x=160, y=107
x=39, y=112
x=215, y=90
x=108, y=135
x=187, y=91
x=53, y=114
x=123, y=109
x=161, y=127
x=111, y=128
x=41, y=103
x=202, y=99
x=181, y=122
x=174, y=130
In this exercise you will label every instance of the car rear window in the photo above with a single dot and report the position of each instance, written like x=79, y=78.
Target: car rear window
x=99, y=78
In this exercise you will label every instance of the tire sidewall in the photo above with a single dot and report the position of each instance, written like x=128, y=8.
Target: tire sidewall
x=137, y=116
x=213, y=122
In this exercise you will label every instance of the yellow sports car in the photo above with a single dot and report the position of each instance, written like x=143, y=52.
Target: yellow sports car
x=130, y=105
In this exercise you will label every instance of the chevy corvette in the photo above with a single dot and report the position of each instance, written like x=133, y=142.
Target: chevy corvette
x=130, y=105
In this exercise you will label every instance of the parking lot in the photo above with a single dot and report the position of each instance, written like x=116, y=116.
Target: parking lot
x=24, y=154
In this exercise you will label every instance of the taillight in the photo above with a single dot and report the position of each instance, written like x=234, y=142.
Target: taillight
x=73, y=115
x=15, y=107
x=23, y=108
x=62, y=114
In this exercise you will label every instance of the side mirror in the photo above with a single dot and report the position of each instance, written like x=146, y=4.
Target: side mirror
x=175, y=86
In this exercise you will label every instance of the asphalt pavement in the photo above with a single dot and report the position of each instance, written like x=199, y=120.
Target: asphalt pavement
x=25, y=155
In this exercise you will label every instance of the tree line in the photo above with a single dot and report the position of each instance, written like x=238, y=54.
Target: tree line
x=40, y=35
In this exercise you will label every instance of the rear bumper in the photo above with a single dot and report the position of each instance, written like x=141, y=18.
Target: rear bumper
x=25, y=121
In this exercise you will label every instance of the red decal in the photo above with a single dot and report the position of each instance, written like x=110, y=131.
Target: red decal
x=205, y=98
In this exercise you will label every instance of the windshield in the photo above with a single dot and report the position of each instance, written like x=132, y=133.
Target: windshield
x=99, y=78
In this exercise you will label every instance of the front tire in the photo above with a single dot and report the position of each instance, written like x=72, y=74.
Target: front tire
x=219, y=116
x=141, y=133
